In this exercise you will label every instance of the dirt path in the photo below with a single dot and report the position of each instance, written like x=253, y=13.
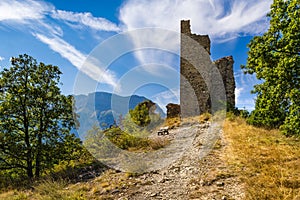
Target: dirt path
x=188, y=177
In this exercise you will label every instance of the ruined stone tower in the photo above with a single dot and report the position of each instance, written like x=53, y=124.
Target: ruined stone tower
x=197, y=74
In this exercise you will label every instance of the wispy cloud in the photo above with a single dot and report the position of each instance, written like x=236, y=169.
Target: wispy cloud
x=78, y=59
x=64, y=49
x=1, y=58
x=222, y=20
x=42, y=21
x=217, y=18
x=23, y=10
x=165, y=97
x=85, y=20
x=28, y=16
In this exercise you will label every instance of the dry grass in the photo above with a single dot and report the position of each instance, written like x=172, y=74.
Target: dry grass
x=267, y=162
x=172, y=122
x=159, y=142
x=176, y=121
x=99, y=188
x=205, y=117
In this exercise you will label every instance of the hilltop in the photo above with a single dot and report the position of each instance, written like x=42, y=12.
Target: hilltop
x=244, y=163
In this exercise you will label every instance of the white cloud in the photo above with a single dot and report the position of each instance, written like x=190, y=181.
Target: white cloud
x=85, y=19
x=247, y=103
x=155, y=46
x=1, y=58
x=221, y=20
x=35, y=17
x=245, y=84
x=23, y=10
x=166, y=97
x=238, y=91
x=64, y=49
x=243, y=98
x=214, y=17
x=69, y=52
x=28, y=16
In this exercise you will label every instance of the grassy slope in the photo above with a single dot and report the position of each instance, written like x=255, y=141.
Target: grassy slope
x=266, y=161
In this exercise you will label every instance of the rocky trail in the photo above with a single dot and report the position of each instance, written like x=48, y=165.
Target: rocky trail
x=193, y=175
x=189, y=177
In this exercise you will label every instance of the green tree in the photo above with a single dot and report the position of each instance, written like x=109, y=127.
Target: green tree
x=275, y=59
x=35, y=118
x=140, y=115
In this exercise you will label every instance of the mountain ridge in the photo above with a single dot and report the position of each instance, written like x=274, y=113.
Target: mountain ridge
x=105, y=109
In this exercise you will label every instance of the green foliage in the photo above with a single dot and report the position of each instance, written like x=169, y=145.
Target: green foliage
x=35, y=118
x=244, y=113
x=275, y=59
x=100, y=140
x=125, y=140
x=132, y=132
x=140, y=115
x=142, y=119
x=241, y=112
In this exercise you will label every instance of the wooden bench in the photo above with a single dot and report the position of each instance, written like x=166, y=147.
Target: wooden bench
x=163, y=131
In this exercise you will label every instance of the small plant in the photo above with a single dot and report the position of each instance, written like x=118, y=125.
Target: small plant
x=51, y=189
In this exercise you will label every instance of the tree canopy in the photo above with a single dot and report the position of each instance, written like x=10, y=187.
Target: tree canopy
x=274, y=58
x=35, y=118
x=140, y=115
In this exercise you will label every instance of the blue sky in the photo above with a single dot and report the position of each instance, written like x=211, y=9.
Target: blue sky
x=69, y=33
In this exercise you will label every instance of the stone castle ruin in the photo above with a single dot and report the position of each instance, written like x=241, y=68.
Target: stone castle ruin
x=196, y=68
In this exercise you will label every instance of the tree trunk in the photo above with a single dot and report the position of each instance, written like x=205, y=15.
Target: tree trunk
x=27, y=142
x=39, y=144
x=28, y=155
x=29, y=170
x=38, y=157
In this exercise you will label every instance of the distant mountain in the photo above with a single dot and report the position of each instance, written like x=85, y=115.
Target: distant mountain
x=102, y=108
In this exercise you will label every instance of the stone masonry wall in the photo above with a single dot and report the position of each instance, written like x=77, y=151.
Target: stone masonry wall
x=225, y=66
x=196, y=78
x=173, y=110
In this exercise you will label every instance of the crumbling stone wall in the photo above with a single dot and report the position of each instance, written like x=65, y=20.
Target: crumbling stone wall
x=196, y=78
x=225, y=66
x=203, y=40
x=173, y=110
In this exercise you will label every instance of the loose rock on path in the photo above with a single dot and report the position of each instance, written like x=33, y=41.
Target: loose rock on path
x=191, y=176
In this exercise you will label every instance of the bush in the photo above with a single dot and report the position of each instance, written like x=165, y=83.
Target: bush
x=124, y=140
